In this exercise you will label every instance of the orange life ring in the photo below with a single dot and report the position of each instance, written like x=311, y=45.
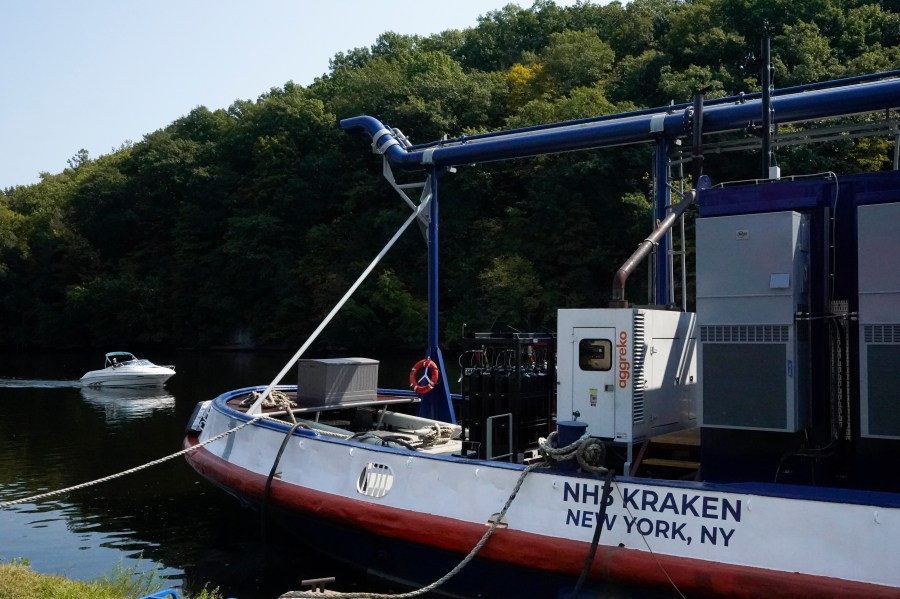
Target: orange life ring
x=425, y=383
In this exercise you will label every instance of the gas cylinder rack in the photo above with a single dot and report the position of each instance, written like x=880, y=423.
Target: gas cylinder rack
x=508, y=390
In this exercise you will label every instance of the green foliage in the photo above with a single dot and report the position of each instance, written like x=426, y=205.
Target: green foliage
x=583, y=102
x=637, y=78
x=803, y=54
x=248, y=224
x=18, y=581
x=576, y=59
x=128, y=581
x=206, y=593
x=425, y=93
x=503, y=36
x=681, y=85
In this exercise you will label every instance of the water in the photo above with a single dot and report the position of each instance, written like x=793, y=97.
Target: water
x=54, y=434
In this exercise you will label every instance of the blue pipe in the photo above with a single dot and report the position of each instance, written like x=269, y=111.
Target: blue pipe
x=629, y=128
x=738, y=99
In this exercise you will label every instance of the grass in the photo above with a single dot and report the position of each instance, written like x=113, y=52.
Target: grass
x=19, y=581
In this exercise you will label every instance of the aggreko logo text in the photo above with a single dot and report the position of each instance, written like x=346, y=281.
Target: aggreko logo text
x=624, y=364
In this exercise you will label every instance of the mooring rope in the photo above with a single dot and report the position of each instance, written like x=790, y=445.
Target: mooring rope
x=568, y=452
x=6, y=504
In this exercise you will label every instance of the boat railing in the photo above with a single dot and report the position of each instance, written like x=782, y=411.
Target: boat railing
x=383, y=400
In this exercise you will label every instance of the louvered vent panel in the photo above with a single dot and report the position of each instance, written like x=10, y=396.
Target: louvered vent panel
x=640, y=351
x=882, y=333
x=744, y=333
x=375, y=480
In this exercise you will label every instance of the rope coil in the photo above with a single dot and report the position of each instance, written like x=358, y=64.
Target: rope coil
x=590, y=453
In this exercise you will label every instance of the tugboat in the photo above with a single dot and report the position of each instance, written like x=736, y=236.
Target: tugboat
x=744, y=449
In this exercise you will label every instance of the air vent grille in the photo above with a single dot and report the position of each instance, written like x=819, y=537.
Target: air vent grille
x=744, y=333
x=375, y=480
x=882, y=333
x=638, y=383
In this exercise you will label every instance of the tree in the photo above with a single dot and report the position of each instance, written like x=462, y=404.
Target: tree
x=584, y=102
x=576, y=59
x=426, y=94
x=803, y=55
x=80, y=158
x=696, y=38
x=637, y=79
x=681, y=86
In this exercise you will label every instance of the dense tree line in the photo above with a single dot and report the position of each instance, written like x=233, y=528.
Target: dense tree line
x=246, y=225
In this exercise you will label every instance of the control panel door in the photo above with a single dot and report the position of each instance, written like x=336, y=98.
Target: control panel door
x=593, y=380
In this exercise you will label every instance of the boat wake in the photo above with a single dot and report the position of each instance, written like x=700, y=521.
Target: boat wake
x=39, y=383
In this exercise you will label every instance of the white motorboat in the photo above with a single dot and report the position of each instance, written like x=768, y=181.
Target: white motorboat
x=122, y=369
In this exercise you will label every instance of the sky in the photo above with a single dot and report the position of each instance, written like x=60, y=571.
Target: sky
x=101, y=73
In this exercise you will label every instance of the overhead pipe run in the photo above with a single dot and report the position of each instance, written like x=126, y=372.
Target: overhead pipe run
x=671, y=108
x=628, y=128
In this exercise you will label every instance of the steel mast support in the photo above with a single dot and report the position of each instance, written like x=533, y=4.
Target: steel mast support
x=436, y=403
x=662, y=198
x=767, y=120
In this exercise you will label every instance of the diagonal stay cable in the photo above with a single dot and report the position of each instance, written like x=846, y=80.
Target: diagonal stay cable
x=256, y=407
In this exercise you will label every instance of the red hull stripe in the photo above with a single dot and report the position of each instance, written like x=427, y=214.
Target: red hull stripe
x=532, y=551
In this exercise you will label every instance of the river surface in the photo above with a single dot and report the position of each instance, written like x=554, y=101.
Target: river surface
x=55, y=434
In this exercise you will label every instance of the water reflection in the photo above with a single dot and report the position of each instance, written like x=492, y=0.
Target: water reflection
x=121, y=404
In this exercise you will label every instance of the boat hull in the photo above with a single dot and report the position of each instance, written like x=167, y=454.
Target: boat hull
x=125, y=376
x=401, y=564
x=705, y=541
x=400, y=560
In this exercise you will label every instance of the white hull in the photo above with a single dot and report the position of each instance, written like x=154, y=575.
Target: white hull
x=763, y=540
x=128, y=376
